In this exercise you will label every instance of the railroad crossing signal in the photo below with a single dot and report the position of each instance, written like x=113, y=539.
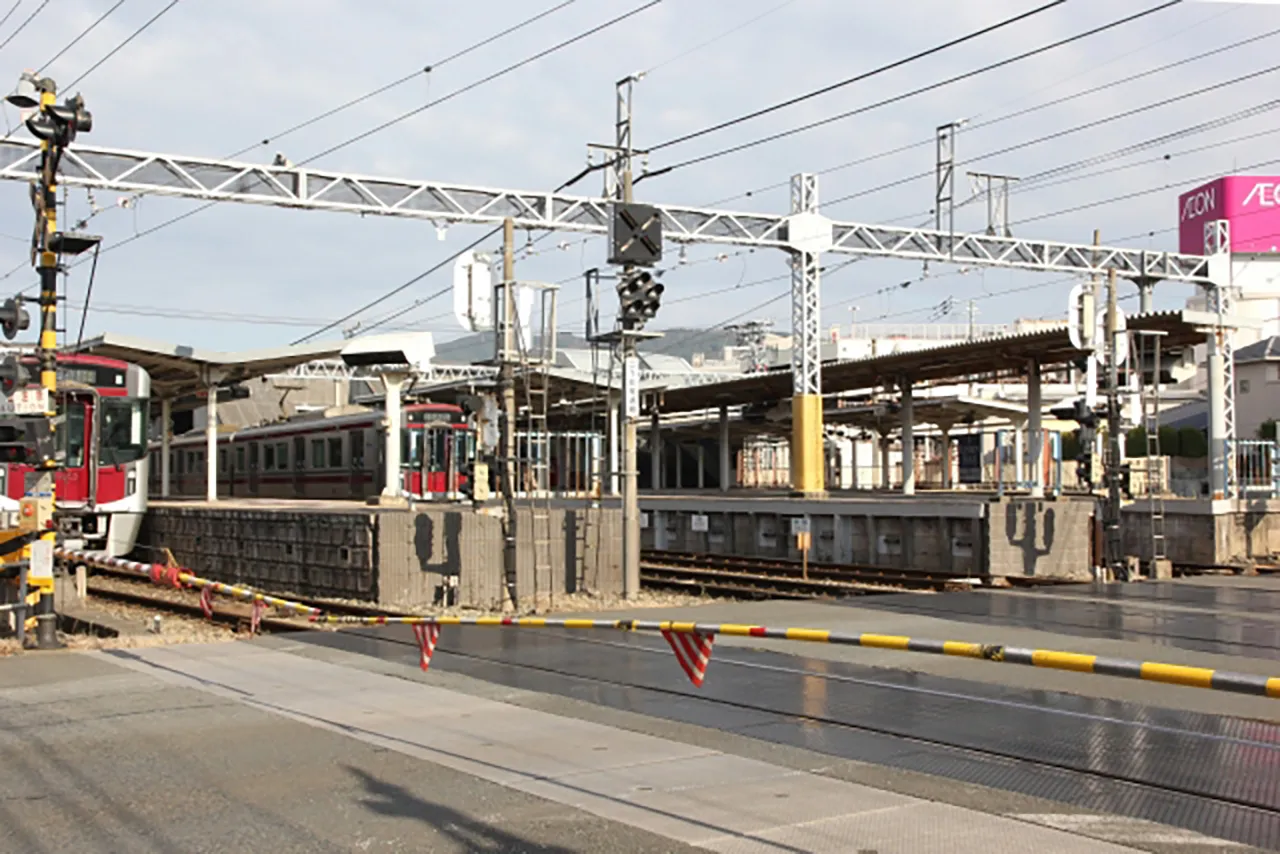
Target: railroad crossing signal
x=641, y=297
x=635, y=234
x=13, y=317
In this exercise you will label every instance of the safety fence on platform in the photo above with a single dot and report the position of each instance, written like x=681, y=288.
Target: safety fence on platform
x=692, y=642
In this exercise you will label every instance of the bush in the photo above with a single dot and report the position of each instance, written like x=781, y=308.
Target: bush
x=1267, y=430
x=1135, y=442
x=1192, y=443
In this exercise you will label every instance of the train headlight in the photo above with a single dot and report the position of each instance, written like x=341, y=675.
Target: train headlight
x=131, y=483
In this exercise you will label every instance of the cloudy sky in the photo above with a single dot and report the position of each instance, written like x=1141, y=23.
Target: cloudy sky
x=210, y=78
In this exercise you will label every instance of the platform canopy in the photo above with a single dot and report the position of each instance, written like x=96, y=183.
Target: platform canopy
x=987, y=358
x=179, y=371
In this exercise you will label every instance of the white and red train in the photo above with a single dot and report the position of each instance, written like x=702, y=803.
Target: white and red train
x=102, y=487
x=340, y=457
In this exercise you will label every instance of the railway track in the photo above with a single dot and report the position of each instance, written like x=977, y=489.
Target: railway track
x=761, y=578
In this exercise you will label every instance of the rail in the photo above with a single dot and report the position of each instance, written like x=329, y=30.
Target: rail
x=692, y=642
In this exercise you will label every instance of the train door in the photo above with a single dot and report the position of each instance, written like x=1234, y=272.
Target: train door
x=299, y=467
x=412, y=466
x=74, y=481
x=253, y=468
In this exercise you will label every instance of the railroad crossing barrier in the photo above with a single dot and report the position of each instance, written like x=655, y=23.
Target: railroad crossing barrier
x=692, y=642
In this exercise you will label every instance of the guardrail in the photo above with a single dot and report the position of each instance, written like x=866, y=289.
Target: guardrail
x=692, y=642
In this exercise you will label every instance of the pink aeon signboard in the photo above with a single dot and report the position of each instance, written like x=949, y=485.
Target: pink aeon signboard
x=1251, y=204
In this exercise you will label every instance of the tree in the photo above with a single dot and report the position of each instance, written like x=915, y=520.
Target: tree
x=1192, y=443
x=1267, y=430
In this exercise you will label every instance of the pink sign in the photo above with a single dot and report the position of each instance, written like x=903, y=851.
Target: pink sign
x=1250, y=204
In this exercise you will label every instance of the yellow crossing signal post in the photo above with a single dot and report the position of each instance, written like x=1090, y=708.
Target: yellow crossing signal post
x=56, y=126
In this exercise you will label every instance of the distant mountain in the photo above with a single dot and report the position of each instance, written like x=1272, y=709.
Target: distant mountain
x=683, y=342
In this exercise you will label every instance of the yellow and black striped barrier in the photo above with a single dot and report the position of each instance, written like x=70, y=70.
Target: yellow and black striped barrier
x=695, y=655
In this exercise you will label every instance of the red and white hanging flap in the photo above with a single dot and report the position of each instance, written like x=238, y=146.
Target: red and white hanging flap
x=259, y=608
x=693, y=651
x=427, y=635
x=206, y=602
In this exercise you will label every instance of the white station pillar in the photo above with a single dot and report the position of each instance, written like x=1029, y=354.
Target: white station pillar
x=908, y=437
x=212, y=378
x=393, y=381
x=725, y=450
x=166, y=435
x=1035, y=433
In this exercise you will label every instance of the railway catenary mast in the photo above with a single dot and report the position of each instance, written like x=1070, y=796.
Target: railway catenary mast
x=803, y=234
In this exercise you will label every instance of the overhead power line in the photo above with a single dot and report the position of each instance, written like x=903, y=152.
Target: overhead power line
x=1092, y=90
x=139, y=31
x=856, y=78
x=1065, y=132
x=77, y=39
x=494, y=76
x=905, y=95
x=276, y=137
x=9, y=14
x=207, y=205
x=13, y=35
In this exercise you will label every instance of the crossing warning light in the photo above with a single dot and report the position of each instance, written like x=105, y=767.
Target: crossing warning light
x=13, y=317
x=641, y=297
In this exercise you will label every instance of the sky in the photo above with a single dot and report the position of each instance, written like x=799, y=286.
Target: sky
x=211, y=78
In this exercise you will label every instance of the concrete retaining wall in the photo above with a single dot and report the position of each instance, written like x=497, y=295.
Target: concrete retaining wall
x=1208, y=533
x=396, y=558
x=954, y=535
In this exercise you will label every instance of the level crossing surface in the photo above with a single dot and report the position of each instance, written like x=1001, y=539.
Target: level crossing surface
x=558, y=741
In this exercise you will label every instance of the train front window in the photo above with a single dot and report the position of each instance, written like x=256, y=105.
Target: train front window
x=123, y=430
x=71, y=435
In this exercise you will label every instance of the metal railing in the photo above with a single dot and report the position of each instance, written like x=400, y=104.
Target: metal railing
x=1257, y=468
x=561, y=464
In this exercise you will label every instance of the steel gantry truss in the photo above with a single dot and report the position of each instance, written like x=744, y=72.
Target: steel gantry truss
x=122, y=171
x=804, y=233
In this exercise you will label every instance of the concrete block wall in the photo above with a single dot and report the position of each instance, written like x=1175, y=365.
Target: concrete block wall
x=331, y=554
x=423, y=550
x=1041, y=539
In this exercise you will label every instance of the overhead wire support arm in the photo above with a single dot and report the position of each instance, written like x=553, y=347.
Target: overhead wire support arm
x=206, y=179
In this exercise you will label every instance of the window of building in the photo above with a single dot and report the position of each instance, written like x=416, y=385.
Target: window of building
x=317, y=453
x=1244, y=386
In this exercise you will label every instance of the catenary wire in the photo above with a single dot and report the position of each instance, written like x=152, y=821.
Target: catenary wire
x=276, y=137
x=495, y=75
x=13, y=35
x=139, y=31
x=848, y=81
x=905, y=95
x=207, y=205
x=725, y=34
x=1093, y=90
x=9, y=14
x=77, y=39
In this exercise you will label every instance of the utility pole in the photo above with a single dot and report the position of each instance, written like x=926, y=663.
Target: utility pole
x=55, y=125
x=1114, y=543
x=635, y=240
x=505, y=334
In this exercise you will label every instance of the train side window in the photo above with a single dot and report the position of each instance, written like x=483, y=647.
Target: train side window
x=299, y=453
x=317, y=453
x=253, y=456
x=335, y=452
x=268, y=457
x=175, y=462
x=282, y=456
x=355, y=439
x=240, y=458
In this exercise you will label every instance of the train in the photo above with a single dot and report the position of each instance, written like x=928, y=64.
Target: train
x=102, y=429
x=318, y=457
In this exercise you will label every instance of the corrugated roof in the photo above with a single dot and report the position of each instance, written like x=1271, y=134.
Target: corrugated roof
x=988, y=358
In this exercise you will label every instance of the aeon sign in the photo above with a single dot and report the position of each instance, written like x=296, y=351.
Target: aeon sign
x=1251, y=204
